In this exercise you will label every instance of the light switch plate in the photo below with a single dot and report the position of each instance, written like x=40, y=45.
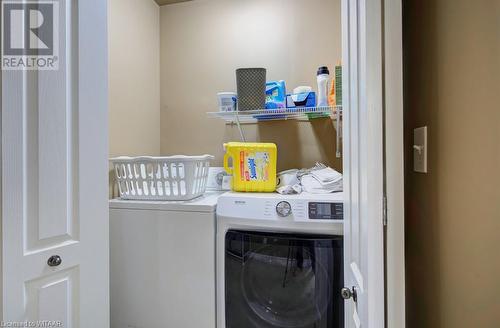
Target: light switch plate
x=420, y=150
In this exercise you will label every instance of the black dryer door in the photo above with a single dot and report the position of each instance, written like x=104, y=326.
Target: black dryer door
x=283, y=280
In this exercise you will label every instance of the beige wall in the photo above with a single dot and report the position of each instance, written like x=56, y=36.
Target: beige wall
x=134, y=79
x=204, y=41
x=452, y=82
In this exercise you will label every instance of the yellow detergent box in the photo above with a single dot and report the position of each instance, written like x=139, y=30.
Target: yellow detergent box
x=254, y=166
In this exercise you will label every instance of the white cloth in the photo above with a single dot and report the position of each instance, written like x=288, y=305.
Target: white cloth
x=327, y=175
x=318, y=180
x=288, y=183
x=322, y=181
x=290, y=189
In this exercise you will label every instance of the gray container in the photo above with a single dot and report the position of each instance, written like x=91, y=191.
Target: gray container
x=251, y=87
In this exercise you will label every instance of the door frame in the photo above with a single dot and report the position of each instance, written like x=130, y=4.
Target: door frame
x=394, y=164
x=373, y=158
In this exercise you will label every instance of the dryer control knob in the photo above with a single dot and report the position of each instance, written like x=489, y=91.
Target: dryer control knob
x=283, y=209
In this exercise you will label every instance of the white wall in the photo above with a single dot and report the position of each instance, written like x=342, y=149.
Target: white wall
x=204, y=41
x=134, y=78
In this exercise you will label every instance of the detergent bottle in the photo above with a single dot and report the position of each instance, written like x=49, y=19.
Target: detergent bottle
x=254, y=166
x=323, y=81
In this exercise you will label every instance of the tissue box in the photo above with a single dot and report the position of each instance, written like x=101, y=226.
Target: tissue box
x=305, y=99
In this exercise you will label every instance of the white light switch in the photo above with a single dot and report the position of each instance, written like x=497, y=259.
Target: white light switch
x=420, y=150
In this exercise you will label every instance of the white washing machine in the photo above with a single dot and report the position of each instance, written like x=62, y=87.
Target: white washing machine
x=162, y=263
x=280, y=261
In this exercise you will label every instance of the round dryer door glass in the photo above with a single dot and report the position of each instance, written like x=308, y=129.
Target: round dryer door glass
x=280, y=287
x=283, y=281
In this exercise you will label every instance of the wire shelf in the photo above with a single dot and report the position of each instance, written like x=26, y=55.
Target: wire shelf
x=263, y=115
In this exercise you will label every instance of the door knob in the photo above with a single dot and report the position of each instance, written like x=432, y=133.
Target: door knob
x=349, y=293
x=54, y=260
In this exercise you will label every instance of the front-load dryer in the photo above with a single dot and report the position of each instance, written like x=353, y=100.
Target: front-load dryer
x=279, y=261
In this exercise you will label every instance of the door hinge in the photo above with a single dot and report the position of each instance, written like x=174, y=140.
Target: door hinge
x=384, y=219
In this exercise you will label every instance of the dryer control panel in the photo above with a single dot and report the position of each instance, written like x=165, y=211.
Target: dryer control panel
x=304, y=207
x=326, y=211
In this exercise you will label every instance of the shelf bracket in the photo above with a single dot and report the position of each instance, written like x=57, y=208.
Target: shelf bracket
x=242, y=135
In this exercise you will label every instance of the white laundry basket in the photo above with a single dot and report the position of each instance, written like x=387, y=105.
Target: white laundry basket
x=161, y=178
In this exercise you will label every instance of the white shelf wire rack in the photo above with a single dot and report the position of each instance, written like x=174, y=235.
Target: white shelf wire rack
x=302, y=113
x=263, y=115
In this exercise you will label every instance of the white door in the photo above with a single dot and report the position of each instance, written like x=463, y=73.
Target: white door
x=363, y=163
x=54, y=170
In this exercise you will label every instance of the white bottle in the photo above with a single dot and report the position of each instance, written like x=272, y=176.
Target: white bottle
x=323, y=81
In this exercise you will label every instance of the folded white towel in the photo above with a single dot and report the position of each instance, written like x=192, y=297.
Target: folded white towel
x=313, y=186
x=322, y=181
x=326, y=175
